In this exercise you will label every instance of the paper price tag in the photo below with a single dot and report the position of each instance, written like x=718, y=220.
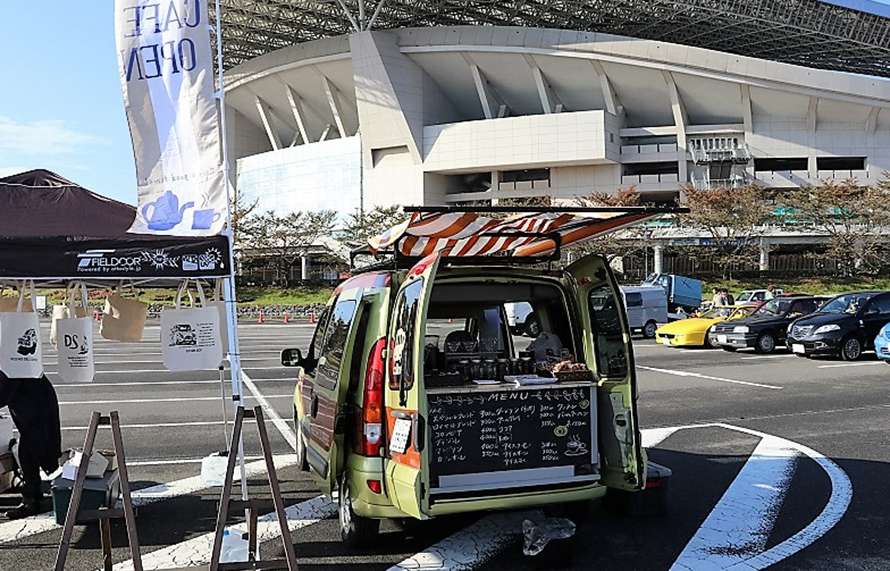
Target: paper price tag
x=399, y=441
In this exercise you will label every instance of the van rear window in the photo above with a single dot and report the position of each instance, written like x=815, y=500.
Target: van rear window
x=335, y=342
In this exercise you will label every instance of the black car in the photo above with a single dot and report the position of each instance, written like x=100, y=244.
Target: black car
x=846, y=325
x=765, y=329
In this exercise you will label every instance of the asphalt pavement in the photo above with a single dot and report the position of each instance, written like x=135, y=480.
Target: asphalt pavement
x=777, y=461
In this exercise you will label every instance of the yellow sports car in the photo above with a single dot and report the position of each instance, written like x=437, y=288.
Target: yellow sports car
x=693, y=332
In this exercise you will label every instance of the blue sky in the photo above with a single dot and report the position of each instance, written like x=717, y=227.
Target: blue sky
x=61, y=106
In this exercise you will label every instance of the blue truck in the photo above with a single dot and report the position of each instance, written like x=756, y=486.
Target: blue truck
x=682, y=292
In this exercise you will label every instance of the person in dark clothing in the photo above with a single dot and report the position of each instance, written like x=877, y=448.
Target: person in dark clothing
x=34, y=408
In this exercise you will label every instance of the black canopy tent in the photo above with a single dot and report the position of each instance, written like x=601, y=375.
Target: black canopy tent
x=52, y=229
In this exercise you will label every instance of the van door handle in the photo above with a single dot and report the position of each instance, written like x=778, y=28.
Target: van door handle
x=419, y=433
x=402, y=415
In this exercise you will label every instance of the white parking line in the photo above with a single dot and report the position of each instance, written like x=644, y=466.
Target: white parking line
x=844, y=365
x=279, y=423
x=740, y=524
x=64, y=385
x=472, y=547
x=759, y=357
x=26, y=527
x=709, y=377
x=196, y=551
x=469, y=547
x=143, y=371
x=193, y=424
x=145, y=401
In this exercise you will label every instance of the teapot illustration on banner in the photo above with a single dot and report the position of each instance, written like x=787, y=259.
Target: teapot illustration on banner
x=165, y=212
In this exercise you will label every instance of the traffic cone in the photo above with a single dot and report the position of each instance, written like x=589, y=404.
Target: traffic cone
x=261, y=318
x=312, y=316
x=97, y=315
x=286, y=318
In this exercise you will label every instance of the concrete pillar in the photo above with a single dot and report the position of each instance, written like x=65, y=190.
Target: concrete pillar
x=764, y=256
x=658, y=259
x=304, y=268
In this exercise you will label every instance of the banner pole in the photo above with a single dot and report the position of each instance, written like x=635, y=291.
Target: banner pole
x=229, y=294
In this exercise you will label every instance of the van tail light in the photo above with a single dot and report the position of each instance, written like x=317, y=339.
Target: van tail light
x=369, y=439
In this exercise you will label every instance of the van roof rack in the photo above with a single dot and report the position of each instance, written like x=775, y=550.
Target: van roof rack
x=401, y=260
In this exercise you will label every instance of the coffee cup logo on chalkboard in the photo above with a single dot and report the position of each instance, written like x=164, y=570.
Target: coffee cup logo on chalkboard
x=560, y=431
x=575, y=447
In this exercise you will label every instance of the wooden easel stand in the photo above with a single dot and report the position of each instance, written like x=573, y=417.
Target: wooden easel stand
x=104, y=515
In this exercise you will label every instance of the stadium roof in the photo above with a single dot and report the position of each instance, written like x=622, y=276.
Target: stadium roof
x=845, y=35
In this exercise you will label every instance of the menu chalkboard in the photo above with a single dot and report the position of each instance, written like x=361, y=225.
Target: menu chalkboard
x=511, y=429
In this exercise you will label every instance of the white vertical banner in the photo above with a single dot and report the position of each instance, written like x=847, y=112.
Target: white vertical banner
x=166, y=68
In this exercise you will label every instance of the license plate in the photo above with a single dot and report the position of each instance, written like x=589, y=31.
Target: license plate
x=798, y=348
x=721, y=339
x=665, y=341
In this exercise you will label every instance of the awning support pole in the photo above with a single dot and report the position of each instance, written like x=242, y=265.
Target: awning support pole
x=234, y=355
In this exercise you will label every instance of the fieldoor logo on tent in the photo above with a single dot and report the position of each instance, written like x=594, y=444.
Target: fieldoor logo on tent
x=105, y=261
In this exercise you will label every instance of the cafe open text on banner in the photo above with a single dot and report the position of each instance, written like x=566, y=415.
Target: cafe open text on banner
x=166, y=68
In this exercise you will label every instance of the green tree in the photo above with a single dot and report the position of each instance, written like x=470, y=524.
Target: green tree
x=360, y=226
x=278, y=242
x=734, y=219
x=628, y=242
x=854, y=217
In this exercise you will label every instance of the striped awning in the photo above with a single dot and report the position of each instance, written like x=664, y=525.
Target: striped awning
x=523, y=234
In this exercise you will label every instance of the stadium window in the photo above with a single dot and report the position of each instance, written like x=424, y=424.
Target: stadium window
x=525, y=175
x=669, y=167
x=780, y=164
x=840, y=163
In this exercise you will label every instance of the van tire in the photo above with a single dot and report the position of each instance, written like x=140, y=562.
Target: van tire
x=765, y=344
x=355, y=531
x=649, y=329
x=300, y=451
x=851, y=348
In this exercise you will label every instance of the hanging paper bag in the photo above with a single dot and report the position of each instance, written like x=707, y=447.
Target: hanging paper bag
x=75, y=348
x=123, y=319
x=60, y=311
x=21, y=356
x=220, y=306
x=190, y=336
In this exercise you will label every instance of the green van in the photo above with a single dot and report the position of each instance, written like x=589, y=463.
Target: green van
x=414, y=398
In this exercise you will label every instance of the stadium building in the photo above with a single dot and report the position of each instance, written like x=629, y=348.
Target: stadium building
x=348, y=103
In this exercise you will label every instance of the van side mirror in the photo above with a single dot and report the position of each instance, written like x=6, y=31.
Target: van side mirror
x=292, y=358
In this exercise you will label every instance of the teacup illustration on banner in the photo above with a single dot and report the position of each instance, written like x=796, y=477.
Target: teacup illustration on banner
x=204, y=219
x=165, y=212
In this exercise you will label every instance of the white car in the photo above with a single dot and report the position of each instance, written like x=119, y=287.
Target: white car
x=755, y=295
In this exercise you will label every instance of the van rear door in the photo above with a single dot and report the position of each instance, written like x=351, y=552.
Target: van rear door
x=327, y=392
x=405, y=407
x=608, y=351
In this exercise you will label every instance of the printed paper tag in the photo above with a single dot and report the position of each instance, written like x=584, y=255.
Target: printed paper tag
x=400, y=432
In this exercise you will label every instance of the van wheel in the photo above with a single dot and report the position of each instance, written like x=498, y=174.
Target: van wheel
x=649, y=329
x=533, y=327
x=302, y=461
x=355, y=531
x=851, y=349
x=765, y=344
